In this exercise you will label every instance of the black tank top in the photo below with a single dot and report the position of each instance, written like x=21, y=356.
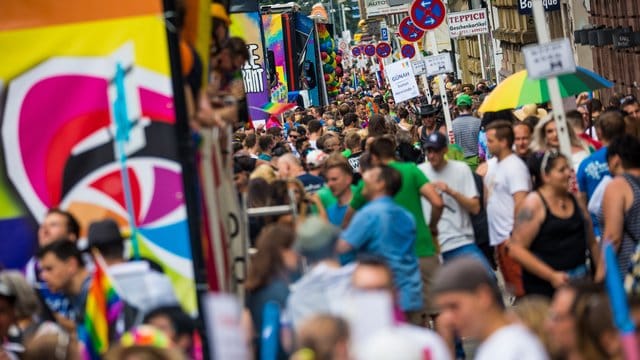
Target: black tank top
x=560, y=243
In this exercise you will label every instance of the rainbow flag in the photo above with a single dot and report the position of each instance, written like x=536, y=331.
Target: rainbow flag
x=103, y=306
x=277, y=108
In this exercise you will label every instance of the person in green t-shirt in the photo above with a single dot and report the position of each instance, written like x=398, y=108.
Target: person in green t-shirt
x=414, y=185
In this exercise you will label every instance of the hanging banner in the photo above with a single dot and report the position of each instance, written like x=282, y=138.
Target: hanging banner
x=276, y=61
x=403, y=81
x=248, y=26
x=309, y=69
x=468, y=23
x=61, y=132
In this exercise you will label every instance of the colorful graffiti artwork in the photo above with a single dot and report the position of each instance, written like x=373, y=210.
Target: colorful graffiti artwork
x=248, y=26
x=59, y=130
x=274, y=42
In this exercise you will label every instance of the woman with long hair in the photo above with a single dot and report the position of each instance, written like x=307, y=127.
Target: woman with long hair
x=552, y=230
x=545, y=137
x=270, y=272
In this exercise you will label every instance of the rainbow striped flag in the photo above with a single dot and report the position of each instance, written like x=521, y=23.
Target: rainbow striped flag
x=103, y=306
x=277, y=108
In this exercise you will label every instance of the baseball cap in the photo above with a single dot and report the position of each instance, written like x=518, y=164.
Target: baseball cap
x=464, y=100
x=104, y=232
x=316, y=158
x=316, y=239
x=436, y=141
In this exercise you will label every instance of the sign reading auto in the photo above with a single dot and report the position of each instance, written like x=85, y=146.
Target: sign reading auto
x=468, y=23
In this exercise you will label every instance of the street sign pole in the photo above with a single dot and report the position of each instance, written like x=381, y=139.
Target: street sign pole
x=423, y=77
x=484, y=70
x=552, y=83
x=494, y=42
x=443, y=92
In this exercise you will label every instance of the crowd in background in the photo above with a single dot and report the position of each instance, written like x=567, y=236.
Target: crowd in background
x=495, y=238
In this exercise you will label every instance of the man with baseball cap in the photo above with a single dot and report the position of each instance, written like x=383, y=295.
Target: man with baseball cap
x=454, y=181
x=465, y=130
x=471, y=303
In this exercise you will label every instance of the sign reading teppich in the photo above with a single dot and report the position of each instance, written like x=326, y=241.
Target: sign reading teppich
x=403, y=82
x=467, y=23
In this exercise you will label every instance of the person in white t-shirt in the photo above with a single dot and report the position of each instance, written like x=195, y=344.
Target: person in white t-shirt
x=507, y=183
x=454, y=180
x=471, y=303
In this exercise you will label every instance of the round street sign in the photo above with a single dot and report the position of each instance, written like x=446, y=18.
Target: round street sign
x=408, y=51
x=356, y=51
x=370, y=50
x=383, y=49
x=408, y=31
x=427, y=14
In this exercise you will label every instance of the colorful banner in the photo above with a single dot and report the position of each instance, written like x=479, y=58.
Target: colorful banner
x=248, y=26
x=274, y=42
x=59, y=130
x=309, y=77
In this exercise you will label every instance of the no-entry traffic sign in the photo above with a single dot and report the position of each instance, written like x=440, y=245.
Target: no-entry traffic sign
x=408, y=31
x=408, y=51
x=369, y=50
x=383, y=49
x=427, y=14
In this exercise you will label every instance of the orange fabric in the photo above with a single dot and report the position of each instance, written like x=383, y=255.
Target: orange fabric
x=19, y=14
x=186, y=58
x=511, y=270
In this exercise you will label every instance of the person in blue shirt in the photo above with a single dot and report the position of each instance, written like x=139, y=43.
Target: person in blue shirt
x=57, y=224
x=385, y=229
x=594, y=168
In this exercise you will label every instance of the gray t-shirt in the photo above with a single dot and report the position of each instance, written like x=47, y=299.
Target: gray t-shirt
x=465, y=131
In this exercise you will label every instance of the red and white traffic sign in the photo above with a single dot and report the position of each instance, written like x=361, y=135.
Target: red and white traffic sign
x=408, y=31
x=383, y=49
x=427, y=14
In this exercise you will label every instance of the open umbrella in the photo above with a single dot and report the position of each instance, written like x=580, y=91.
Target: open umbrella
x=518, y=89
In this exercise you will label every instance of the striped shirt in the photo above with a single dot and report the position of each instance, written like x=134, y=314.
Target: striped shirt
x=465, y=130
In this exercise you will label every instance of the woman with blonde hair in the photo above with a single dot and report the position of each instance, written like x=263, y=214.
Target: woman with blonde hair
x=545, y=137
x=531, y=311
x=265, y=172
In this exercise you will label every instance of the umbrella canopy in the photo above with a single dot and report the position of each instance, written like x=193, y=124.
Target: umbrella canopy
x=518, y=89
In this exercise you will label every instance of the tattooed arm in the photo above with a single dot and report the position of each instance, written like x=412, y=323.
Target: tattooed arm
x=530, y=217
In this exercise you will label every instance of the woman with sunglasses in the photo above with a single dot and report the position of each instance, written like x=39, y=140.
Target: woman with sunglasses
x=552, y=231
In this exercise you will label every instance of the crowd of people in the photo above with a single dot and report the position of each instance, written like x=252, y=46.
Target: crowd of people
x=448, y=222
x=399, y=244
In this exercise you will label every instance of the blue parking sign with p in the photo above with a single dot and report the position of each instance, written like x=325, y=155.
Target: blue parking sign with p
x=384, y=34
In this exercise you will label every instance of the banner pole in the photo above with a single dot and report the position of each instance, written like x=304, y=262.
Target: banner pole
x=552, y=83
x=186, y=153
x=484, y=70
x=443, y=92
